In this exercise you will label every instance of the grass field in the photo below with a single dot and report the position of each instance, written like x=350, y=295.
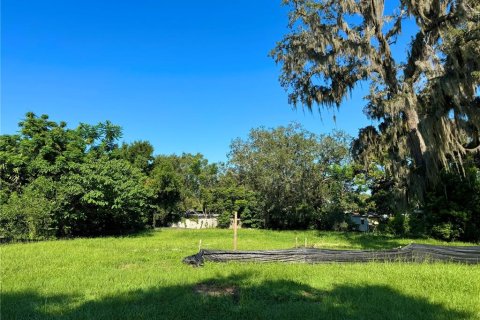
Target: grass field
x=142, y=277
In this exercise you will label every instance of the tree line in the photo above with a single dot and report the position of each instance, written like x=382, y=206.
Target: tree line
x=62, y=182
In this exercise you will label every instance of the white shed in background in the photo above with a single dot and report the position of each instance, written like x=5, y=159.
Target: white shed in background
x=197, y=220
x=361, y=221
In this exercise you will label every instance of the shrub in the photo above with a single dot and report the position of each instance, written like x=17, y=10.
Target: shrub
x=398, y=225
x=28, y=216
x=445, y=231
x=343, y=226
x=224, y=220
x=105, y=197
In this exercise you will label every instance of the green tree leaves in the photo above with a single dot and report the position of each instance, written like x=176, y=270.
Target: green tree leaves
x=299, y=177
x=106, y=196
x=68, y=182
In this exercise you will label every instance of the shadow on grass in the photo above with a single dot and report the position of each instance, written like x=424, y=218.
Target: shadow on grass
x=234, y=297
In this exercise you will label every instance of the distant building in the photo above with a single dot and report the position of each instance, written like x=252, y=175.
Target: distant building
x=361, y=222
x=364, y=222
x=197, y=220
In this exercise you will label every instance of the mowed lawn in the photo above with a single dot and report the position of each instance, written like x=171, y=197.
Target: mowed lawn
x=143, y=277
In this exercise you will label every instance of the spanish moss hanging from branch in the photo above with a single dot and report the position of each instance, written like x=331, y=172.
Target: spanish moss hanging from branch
x=427, y=105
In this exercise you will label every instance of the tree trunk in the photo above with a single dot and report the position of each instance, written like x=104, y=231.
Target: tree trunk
x=415, y=139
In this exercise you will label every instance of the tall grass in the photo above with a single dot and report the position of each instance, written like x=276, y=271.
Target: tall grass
x=142, y=277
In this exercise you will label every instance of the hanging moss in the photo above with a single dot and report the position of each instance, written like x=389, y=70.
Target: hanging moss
x=428, y=106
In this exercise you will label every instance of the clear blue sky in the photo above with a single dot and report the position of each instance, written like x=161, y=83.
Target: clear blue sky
x=189, y=76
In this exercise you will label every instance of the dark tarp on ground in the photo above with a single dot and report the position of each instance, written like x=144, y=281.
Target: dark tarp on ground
x=409, y=253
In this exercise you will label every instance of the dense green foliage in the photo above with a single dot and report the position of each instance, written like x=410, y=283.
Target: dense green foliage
x=452, y=209
x=69, y=182
x=61, y=182
x=303, y=180
x=142, y=277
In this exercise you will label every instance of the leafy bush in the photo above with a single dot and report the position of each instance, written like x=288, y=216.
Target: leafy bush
x=224, y=220
x=330, y=218
x=445, y=231
x=452, y=209
x=343, y=226
x=398, y=225
x=28, y=216
x=104, y=197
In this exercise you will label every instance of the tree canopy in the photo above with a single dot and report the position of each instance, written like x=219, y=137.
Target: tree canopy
x=58, y=181
x=427, y=104
x=301, y=178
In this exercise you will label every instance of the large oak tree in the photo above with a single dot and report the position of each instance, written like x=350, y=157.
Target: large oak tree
x=427, y=103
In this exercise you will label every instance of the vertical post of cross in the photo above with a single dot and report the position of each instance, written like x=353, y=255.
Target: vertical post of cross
x=235, y=223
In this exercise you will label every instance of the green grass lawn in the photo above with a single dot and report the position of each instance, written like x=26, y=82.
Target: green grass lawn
x=142, y=277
